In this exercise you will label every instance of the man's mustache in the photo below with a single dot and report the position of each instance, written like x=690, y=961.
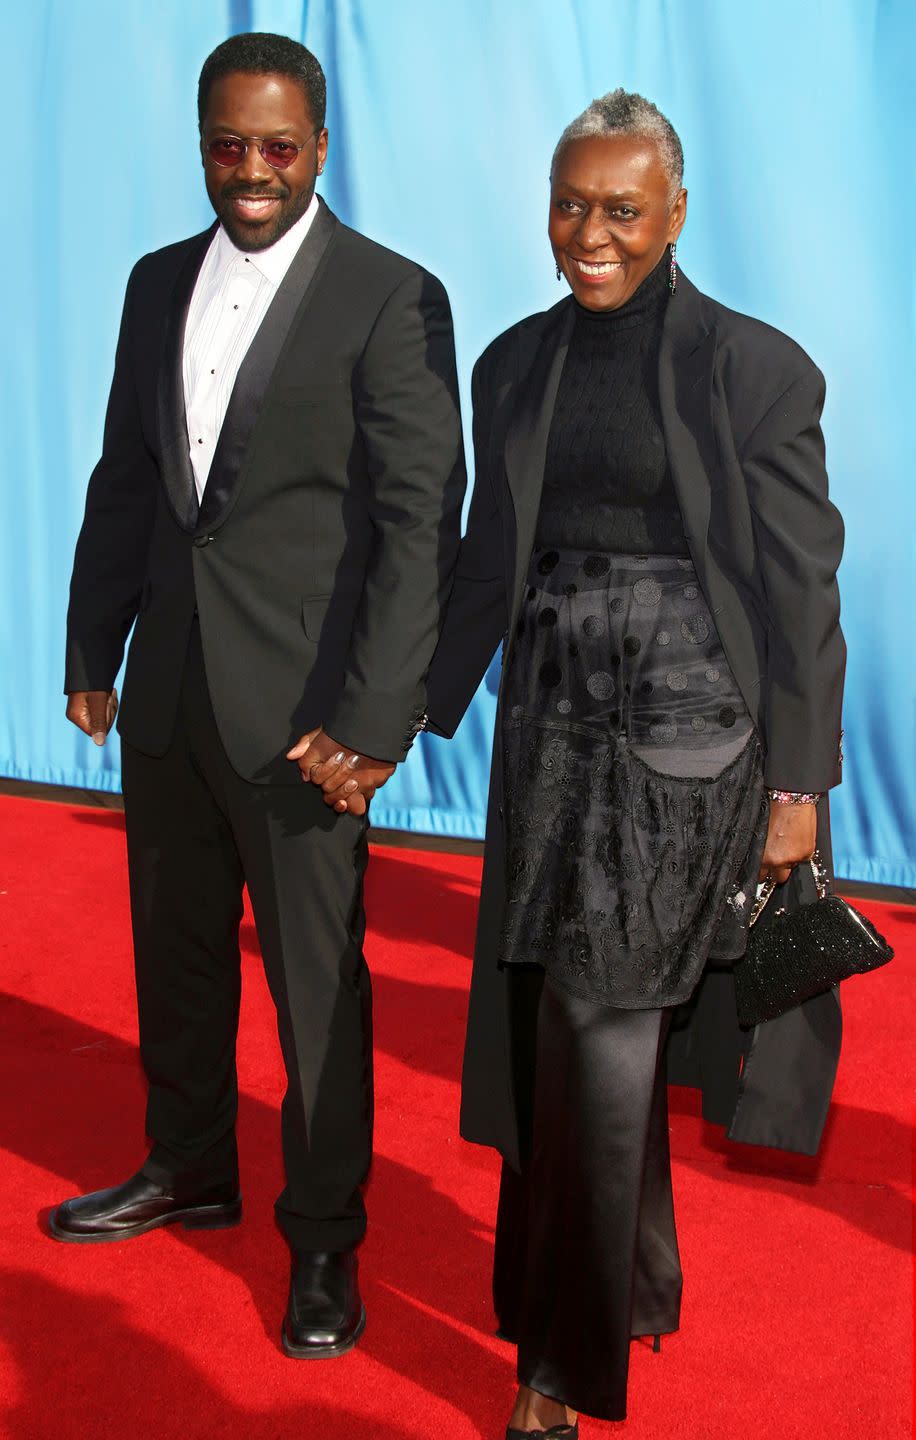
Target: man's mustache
x=245, y=192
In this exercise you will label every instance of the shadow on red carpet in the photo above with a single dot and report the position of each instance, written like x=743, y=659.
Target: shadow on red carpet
x=797, y=1277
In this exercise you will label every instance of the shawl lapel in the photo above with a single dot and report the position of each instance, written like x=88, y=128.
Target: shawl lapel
x=246, y=403
x=174, y=458
x=685, y=381
x=687, y=396
x=528, y=431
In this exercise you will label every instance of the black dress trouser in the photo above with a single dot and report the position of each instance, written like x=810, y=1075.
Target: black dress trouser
x=586, y=1247
x=196, y=834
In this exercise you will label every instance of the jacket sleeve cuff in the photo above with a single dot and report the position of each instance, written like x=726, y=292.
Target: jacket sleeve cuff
x=85, y=671
x=381, y=727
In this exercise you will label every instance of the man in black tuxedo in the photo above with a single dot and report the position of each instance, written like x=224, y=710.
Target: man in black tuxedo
x=277, y=506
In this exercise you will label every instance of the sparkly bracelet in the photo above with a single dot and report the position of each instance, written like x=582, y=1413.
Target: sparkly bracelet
x=793, y=797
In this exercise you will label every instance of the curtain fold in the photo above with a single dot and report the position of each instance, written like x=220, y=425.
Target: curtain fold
x=797, y=123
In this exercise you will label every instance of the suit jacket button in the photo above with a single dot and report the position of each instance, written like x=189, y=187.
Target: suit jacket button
x=201, y=540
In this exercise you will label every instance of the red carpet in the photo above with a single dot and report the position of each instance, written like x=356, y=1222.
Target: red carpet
x=797, y=1314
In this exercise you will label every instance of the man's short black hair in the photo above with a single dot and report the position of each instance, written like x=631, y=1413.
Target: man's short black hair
x=260, y=53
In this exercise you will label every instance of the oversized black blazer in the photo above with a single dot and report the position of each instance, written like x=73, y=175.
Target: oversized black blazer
x=741, y=406
x=322, y=553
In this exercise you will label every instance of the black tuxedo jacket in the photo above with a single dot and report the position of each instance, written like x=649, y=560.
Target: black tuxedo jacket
x=323, y=551
x=741, y=407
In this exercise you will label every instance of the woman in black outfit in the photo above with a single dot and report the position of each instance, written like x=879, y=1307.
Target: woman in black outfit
x=651, y=536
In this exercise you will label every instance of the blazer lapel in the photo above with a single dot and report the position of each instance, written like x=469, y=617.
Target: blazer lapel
x=174, y=457
x=246, y=401
x=528, y=431
x=685, y=377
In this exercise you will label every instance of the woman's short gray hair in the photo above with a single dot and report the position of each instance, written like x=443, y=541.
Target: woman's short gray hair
x=623, y=112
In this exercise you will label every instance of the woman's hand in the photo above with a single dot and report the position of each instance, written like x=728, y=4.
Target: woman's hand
x=791, y=838
x=356, y=792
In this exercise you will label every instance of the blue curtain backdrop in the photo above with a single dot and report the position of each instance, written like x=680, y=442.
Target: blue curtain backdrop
x=798, y=128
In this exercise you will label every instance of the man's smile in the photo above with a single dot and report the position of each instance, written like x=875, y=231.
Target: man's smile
x=255, y=206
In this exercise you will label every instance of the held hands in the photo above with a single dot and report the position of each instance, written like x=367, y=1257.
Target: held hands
x=791, y=839
x=93, y=712
x=348, y=780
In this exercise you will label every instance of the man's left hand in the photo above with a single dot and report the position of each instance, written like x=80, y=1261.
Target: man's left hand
x=349, y=780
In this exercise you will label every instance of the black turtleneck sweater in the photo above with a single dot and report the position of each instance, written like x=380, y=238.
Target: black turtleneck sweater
x=607, y=483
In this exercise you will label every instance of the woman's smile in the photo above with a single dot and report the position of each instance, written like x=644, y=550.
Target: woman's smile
x=596, y=272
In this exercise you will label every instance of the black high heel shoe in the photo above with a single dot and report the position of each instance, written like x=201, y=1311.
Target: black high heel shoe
x=558, y=1432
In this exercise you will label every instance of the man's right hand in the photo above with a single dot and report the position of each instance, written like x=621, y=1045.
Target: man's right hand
x=93, y=712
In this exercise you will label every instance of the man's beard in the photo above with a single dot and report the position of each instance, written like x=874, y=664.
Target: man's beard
x=260, y=236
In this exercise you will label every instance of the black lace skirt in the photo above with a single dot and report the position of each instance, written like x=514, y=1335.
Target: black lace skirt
x=634, y=798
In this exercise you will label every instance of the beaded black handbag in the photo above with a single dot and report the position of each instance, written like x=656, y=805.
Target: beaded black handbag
x=803, y=952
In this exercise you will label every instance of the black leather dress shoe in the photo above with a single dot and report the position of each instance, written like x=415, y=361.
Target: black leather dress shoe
x=568, y=1432
x=325, y=1315
x=140, y=1205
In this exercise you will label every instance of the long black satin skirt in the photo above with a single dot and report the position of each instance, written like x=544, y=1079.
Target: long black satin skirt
x=586, y=1247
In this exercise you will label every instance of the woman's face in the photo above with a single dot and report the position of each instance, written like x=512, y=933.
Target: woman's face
x=611, y=216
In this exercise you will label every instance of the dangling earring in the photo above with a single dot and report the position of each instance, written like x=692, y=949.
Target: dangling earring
x=559, y=273
x=672, y=268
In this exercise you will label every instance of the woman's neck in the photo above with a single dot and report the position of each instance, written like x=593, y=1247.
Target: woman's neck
x=647, y=301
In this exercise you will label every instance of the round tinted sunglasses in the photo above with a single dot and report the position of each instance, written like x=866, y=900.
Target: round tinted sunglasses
x=230, y=150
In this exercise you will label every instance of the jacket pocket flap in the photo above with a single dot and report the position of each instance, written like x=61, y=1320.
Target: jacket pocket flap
x=313, y=613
